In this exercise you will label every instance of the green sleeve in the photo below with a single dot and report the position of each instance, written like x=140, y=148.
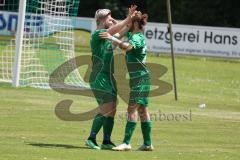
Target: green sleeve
x=136, y=41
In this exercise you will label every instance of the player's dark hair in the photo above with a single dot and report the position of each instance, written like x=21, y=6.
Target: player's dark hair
x=141, y=19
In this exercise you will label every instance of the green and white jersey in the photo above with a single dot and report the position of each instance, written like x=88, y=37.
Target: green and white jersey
x=102, y=53
x=136, y=57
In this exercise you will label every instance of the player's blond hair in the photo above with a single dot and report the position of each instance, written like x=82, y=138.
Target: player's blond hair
x=102, y=13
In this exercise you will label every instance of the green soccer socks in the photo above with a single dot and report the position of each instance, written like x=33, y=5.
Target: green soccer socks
x=146, y=132
x=96, y=125
x=130, y=127
x=107, y=128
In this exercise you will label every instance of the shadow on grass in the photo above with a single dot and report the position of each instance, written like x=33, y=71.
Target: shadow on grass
x=65, y=146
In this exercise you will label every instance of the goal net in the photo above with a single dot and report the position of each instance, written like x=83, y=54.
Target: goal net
x=48, y=42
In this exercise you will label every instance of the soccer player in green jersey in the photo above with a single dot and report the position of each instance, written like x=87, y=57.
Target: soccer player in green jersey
x=102, y=82
x=139, y=82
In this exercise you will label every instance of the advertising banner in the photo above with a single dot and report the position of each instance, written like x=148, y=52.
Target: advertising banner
x=188, y=40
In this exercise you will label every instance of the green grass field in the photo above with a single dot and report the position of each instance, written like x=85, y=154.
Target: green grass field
x=30, y=130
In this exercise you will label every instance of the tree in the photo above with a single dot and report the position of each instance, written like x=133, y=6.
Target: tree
x=194, y=12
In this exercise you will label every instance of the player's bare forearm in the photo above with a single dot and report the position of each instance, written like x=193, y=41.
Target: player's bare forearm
x=123, y=31
x=118, y=27
x=121, y=44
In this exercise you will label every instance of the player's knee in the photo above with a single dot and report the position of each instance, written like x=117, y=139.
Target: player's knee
x=132, y=113
x=113, y=111
x=132, y=116
x=132, y=109
x=108, y=109
x=143, y=112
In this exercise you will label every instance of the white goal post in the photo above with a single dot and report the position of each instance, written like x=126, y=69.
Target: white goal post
x=19, y=41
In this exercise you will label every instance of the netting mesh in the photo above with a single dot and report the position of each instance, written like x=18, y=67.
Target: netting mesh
x=9, y=5
x=48, y=42
x=7, y=41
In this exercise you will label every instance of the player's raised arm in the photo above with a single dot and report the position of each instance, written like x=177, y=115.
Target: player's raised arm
x=123, y=31
x=118, y=27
